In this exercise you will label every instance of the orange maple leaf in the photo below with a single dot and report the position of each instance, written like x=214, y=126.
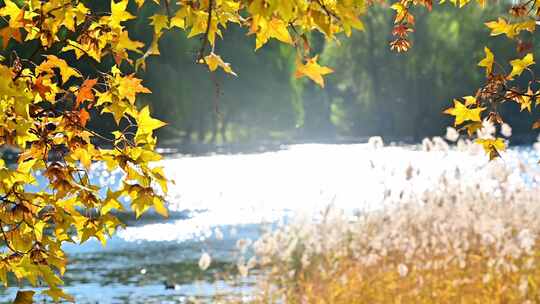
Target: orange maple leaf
x=41, y=88
x=85, y=92
x=8, y=33
x=84, y=116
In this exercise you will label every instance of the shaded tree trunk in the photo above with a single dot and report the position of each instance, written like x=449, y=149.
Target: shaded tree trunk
x=385, y=121
x=223, y=127
x=187, y=136
x=317, y=115
x=201, y=132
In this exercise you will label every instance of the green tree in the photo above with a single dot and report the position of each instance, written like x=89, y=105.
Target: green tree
x=379, y=92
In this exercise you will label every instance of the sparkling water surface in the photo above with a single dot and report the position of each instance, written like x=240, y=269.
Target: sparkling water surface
x=155, y=261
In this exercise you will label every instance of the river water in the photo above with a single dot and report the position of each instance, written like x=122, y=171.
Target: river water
x=155, y=260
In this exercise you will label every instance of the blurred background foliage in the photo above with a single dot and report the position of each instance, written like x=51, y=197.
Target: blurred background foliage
x=374, y=91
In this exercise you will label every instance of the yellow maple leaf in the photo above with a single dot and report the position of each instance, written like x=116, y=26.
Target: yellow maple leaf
x=278, y=30
x=214, y=61
x=178, y=20
x=84, y=156
x=111, y=202
x=123, y=42
x=52, y=62
x=38, y=230
x=119, y=13
x=487, y=62
x=159, y=206
x=493, y=147
x=519, y=65
x=10, y=9
x=499, y=27
x=159, y=22
x=529, y=25
x=145, y=123
x=265, y=30
x=129, y=86
x=525, y=104
x=401, y=11
x=470, y=100
x=312, y=70
x=511, y=30
x=525, y=101
x=117, y=109
x=462, y=113
x=472, y=127
x=352, y=21
x=56, y=294
x=81, y=50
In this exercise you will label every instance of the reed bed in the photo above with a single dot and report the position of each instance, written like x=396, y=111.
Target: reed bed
x=471, y=236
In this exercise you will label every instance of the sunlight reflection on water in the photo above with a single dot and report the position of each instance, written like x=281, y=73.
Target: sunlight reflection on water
x=259, y=188
x=238, y=193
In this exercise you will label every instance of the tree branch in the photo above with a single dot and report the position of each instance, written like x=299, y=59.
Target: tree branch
x=327, y=10
x=207, y=33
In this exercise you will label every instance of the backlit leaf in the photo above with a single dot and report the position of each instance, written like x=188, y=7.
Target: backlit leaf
x=214, y=61
x=312, y=70
x=147, y=124
x=487, y=62
x=493, y=147
x=519, y=65
x=463, y=113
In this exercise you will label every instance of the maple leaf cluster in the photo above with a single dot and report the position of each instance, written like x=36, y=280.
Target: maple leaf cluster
x=497, y=90
x=46, y=106
x=500, y=85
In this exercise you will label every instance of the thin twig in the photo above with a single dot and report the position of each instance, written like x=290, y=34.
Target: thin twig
x=327, y=10
x=207, y=32
x=168, y=9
